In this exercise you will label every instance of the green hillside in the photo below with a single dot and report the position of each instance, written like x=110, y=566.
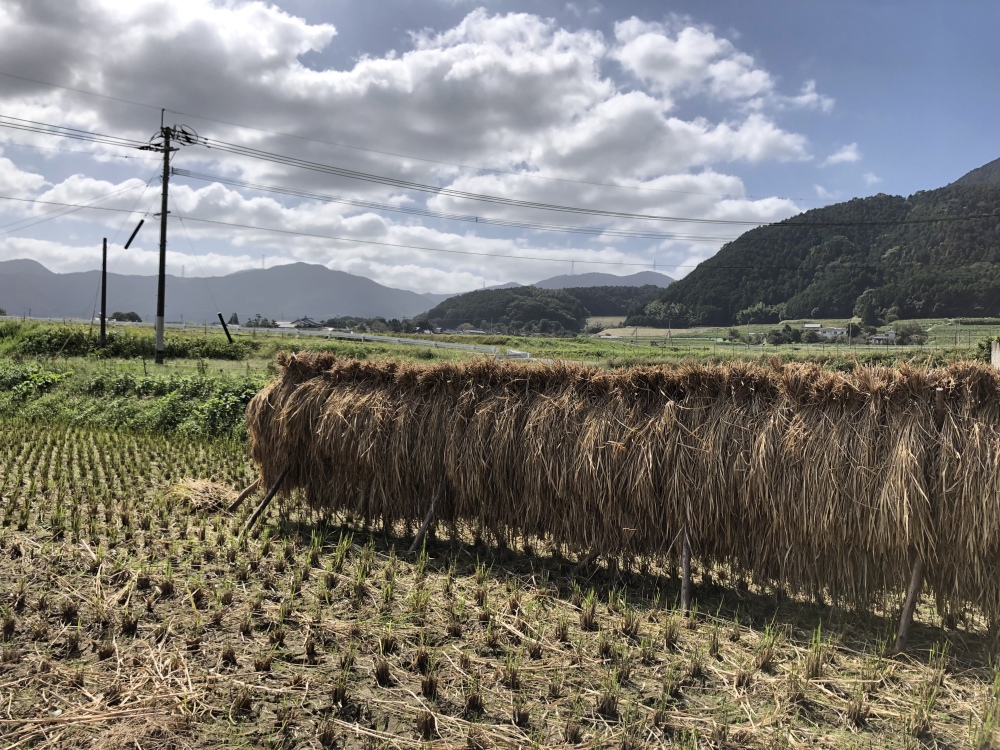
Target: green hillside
x=898, y=257
x=529, y=309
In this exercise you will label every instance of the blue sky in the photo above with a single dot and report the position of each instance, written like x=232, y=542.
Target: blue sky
x=713, y=111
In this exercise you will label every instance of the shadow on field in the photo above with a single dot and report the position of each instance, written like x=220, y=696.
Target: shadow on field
x=655, y=584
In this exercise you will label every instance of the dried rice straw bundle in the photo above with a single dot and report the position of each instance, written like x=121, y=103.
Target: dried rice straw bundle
x=814, y=480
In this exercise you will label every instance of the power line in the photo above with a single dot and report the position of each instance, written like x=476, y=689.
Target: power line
x=651, y=264
x=405, y=184
x=35, y=220
x=79, y=91
x=352, y=174
x=409, y=247
x=439, y=214
x=395, y=154
x=62, y=131
x=94, y=154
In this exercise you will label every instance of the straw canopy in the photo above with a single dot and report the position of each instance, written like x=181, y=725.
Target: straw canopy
x=816, y=480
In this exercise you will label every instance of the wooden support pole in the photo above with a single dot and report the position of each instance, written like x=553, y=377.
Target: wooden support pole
x=244, y=495
x=916, y=561
x=912, y=595
x=939, y=408
x=427, y=521
x=686, y=574
x=587, y=560
x=265, y=502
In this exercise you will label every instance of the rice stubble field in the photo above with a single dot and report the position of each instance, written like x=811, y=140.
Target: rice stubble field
x=132, y=615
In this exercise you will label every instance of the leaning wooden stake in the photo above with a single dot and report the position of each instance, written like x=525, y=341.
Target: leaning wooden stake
x=587, y=560
x=686, y=574
x=244, y=495
x=265, y=502
x=916, y=561
x=912, y=595
x=427, y=521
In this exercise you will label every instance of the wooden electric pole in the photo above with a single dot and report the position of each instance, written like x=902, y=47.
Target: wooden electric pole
x=162, y=280
x=104, y=293
x=183, y=135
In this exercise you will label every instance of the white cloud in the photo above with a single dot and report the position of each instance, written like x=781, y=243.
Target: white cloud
x=845, y=155
x=17, y=183
x=871, y=179
x=692, y=60
x=512, y=92
x=809, y=98
x=823, y=193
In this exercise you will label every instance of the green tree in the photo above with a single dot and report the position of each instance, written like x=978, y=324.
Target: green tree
x=867, y=308
x=758, y=313
x=126, y=317
x=234, y=320
x=910, y=333
x=257, y=321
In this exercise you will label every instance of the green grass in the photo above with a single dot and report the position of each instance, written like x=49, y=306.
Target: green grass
x=205, y=395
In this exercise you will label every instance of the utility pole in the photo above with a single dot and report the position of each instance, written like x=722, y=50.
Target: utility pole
x=183, y=135
x=104, y=293
x=162, y=281
x=104, y=282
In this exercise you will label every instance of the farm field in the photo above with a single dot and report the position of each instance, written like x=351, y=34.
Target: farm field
x=194, y=350
x=133, y=614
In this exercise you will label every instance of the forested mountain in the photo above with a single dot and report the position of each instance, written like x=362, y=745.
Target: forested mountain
x=894, y=256
x=529, y=309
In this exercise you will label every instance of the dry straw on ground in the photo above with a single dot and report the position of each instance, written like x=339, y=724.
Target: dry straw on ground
x=815, y=480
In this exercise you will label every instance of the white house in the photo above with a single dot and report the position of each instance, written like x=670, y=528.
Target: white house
x=828, y=333
x=888, y=337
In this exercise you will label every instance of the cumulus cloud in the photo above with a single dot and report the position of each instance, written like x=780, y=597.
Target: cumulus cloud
x=808, y=98
x=845, y=155
x=823, y=193
x=688, y=61
x=512, y=92
x=871, y=179
x=16, y=182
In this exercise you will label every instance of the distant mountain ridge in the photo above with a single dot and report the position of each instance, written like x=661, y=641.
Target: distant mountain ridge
x=281, y=292
x=578, y=281
x=575, y=281
x=933, y=254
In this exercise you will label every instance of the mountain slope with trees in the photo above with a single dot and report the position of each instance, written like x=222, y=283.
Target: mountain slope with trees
x=885, y=255
x=528, y=309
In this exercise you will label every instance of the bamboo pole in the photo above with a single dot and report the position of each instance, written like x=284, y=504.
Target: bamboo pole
x=587, y=560
x=265, y=502
x=686, y=574
x=252, y=488
x=917, y=565
x=427, y=521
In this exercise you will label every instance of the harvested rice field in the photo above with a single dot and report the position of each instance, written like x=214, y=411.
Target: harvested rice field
x=132, y=615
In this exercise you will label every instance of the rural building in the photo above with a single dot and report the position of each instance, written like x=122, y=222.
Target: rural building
x=888, y=337
x=300, y=323
x=821, y=330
